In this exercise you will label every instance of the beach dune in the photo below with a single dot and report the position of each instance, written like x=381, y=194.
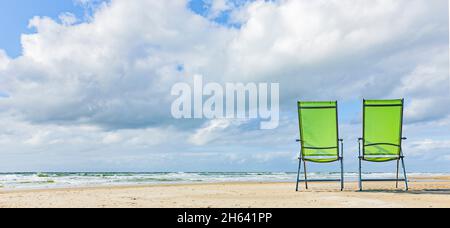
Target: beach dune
x=424, y=193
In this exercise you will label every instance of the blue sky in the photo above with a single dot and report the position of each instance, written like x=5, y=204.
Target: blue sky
x=95, y=95
x=15, y=15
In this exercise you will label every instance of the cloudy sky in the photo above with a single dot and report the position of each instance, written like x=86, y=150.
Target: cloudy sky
x=85, y=84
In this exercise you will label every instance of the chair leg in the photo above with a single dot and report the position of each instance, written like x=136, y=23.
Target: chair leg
x=404, y=172
x=342, y=174
x=306, y=176
x=398, y=170
x=298, y=174
x=360, y=175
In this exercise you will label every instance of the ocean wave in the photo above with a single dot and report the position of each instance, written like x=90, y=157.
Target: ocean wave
x=83, y=179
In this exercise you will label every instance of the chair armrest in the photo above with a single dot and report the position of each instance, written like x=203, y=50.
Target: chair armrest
x=404, y=138
x=341, y=140
x=360, y=139
x=298, y=140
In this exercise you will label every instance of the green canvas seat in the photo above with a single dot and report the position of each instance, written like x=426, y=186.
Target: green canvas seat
x=319, y=136
x=382, y=135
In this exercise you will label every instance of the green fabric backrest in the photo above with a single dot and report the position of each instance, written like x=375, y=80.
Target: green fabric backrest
x=383, y=120
x=318, y=128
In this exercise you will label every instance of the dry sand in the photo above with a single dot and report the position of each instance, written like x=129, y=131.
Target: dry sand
x=425, y=193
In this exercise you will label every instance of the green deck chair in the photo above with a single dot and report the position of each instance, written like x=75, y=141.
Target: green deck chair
x=382, y=136
x=319, y=137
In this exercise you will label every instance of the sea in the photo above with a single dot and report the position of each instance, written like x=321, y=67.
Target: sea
x=73, y=180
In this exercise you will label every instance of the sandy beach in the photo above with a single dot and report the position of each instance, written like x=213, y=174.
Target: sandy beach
x=424, y=193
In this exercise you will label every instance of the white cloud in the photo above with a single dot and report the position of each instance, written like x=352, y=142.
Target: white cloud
x=212, y=130
x=219, y=6
x=426, y=88
x=306, y=42
x=111, y=138
x=268, y=157
x=425, y=109
x=435, y=149
x=4, y=59
x=430, y=145
x=68, y=18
